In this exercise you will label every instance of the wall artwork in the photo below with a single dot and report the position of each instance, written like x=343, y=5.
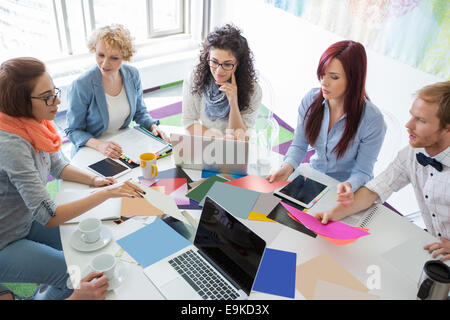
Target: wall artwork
x=415, y=32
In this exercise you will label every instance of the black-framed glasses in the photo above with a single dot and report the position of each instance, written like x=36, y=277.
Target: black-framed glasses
x=50, y=100
x=225, y=66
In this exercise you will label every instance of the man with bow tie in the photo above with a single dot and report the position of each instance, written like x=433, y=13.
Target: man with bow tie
x=425, y=163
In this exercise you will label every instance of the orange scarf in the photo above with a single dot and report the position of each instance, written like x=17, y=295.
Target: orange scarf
x=43, y=136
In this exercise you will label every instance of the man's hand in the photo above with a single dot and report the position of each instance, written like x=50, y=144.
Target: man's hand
x=438, y=248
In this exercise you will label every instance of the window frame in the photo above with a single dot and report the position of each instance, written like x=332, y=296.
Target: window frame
x=88, y=22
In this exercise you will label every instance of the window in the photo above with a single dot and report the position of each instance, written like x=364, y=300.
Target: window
x=49, y=29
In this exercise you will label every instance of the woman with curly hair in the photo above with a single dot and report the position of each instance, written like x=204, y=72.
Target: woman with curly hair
x=222, y=97
x=109, y=96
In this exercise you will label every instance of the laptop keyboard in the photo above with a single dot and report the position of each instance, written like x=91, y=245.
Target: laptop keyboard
x=202, y=277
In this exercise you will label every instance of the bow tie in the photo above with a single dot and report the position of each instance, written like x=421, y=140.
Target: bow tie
x=424, y=160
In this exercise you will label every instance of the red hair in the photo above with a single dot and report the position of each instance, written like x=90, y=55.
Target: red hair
x=353, y=58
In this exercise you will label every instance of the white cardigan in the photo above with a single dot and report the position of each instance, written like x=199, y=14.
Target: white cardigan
x=194, y=109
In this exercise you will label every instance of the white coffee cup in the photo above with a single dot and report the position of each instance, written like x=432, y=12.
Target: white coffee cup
x=148, y=165
x=90, y=230
x=105, y=263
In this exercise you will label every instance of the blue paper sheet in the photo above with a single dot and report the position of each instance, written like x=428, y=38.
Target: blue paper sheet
x=207, y=174
x=152, y=243
x=276, y=275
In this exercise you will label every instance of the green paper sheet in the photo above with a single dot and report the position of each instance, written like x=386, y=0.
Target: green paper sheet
x=201, y=190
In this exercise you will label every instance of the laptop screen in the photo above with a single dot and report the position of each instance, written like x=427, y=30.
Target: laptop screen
x=230, y=244
x=210, y=153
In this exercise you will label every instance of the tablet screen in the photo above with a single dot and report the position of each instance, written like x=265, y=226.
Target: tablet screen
x=303, y=189
x=108, y=167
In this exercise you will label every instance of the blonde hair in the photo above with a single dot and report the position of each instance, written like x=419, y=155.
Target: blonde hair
x=114, y=36
x=438, y=93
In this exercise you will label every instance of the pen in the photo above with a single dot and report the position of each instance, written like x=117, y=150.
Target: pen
x=162, y=155
x=147, y=131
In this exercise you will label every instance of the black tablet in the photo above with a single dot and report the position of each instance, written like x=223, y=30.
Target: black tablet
x=303, y=191
x=109, y=168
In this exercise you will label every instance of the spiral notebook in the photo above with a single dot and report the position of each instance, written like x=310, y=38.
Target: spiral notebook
x=364, y=218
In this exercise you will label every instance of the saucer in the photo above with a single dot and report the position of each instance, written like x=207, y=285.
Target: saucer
x=120, y=275
x=78, y=244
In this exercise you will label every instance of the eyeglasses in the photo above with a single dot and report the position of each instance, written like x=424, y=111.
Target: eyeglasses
x=50, y=100
x=225, y=66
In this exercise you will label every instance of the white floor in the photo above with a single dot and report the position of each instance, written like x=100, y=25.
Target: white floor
x=163, y=97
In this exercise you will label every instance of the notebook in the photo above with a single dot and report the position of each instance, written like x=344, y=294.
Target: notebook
x=138, y=140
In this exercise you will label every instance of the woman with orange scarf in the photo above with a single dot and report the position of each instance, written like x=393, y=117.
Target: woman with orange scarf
x=30, y=246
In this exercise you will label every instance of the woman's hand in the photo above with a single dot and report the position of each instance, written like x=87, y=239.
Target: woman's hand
x=98, y=181
x=92, y=287
x=159, y=133
x=281, y=174
x=109, y=149
x=345, y=194
x=230, y=89
x=124, y=189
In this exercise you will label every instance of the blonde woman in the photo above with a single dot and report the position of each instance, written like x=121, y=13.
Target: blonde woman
x=109, y=96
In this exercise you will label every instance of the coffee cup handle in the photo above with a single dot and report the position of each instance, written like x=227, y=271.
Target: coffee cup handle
x=83, y=237
x=424, y=289
x=154, y=170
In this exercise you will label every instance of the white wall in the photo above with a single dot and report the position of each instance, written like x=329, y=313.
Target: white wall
x=287, y=50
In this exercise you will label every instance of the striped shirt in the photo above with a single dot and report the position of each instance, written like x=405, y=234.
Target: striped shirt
x=431, y=187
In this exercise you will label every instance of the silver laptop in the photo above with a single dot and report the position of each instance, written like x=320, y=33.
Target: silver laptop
x=207, y=153
x=222, y=264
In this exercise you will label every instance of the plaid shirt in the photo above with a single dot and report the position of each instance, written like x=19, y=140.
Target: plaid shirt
x=432, y=188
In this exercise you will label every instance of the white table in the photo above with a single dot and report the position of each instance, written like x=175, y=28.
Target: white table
x=388, y=230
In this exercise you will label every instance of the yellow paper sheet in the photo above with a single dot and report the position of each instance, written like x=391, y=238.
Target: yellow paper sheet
x=161, y=189
x=259, y=217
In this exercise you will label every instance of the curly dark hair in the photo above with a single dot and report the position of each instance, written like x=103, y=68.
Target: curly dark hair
x=227, y=37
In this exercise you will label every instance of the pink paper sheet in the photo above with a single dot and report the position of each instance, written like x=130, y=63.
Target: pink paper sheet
x=334, y=229
x=179, y=195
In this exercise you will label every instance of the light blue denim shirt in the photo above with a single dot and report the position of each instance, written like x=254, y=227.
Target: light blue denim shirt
x=23, y=177
x=88, y=117
x=356, y=165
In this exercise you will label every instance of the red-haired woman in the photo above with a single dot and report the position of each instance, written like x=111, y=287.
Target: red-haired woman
x=338, y=120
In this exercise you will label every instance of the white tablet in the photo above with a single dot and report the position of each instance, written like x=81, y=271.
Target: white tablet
x=303, y=191
x=109, y=168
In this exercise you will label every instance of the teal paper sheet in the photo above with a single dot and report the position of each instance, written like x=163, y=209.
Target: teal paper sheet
x=237, y=201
